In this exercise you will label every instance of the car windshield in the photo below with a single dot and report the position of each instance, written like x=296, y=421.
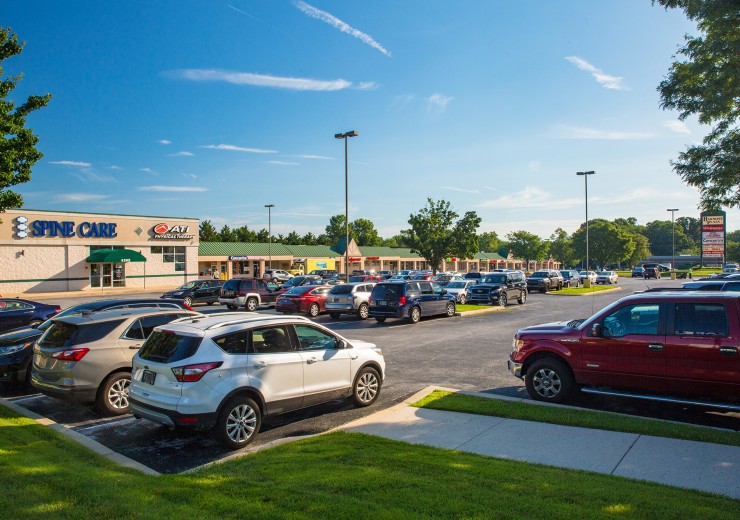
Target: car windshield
x=455, y=285
x=539, y=274
x=294, y=281
x=341, y=289
x=188, y=285
x=566, y=274
x=497, y=278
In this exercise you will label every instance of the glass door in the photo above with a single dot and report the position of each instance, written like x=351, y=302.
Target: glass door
x=95, y=278
x=119, y=275
x=107, y=275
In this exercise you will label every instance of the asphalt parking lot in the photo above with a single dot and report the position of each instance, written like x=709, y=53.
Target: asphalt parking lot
x=467, y=353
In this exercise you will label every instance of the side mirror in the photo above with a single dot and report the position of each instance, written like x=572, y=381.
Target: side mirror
x=341, y=344
x=596, y=330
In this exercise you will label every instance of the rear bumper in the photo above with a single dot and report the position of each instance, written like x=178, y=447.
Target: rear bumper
x=340, y=307
x=171, y=418
x=66, y=389
x=401, y=312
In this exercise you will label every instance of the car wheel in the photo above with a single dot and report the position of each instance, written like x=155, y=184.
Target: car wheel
x=503, y=300
x=523, y=298
x=462, y=299
x=314, y=310
x=188, y=301
x=450, y=309
x=543, y=290
x=549, y=380
x=415, y=315
x=112, y=398
x=362, y=311
x=211, y=303
x=232, y=307
x=251, y=304
x=334, y=315
x=238, y=422
x=367, y=387
x=380, y=319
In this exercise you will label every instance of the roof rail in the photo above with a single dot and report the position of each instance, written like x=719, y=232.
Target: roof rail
x=252, y=319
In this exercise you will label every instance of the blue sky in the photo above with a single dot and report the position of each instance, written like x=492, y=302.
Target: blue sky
x=213, y=109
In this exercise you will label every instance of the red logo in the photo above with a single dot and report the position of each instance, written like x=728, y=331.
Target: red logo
x=160, y=229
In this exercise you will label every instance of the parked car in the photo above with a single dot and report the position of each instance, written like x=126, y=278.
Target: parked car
x=349, y=298
x=423, y=276
x=15, y=313
x=410, y=299
x=587, y=275
x=545, y=280
x=499, y=288
x=399, y=278
x=308, y=279
x=277, y=275
x=310, y=299
x=323, y=273
x=607, y=277
x=638, y=272
x=475, y=276
x=197, y=291
x=365, y=278
x=713, y=285
x=16, y=346
x=356, y=272
x=230, y=373
x=651, y=272
x=87, y=357
x=249, y=293
x=730, y=268
x=652, y=345
x=444, y=279
x=385, y=274
x=459, y=289
x=571, y=278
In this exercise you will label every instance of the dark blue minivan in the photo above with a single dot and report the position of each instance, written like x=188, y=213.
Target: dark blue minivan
x=411, y=299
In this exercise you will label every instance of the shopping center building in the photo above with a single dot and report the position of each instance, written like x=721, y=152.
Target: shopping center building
x=49, y=251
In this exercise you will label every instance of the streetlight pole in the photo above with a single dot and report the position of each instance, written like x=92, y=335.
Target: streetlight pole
x=673, y=233
x=345, y=135
x=269, y=230
x=585, y=179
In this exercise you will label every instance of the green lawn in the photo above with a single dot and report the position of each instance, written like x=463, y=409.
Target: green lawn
x=339, y=475
x=442, y=400
x=460, y=307
x=584, y=290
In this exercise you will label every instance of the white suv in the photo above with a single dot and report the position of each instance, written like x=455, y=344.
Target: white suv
x=229, y=370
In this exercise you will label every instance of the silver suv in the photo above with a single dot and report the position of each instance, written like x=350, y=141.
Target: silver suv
x=349, y=298
x=87, y=358
x=229, y=370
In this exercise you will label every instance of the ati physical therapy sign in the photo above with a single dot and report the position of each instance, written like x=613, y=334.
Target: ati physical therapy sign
x=167, y=232
x=65, y=228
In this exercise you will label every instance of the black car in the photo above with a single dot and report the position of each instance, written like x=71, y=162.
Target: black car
x=15, y=313
x=197, y=291
x=499, y=288
x=16, y=347
x=713, y=285
x=412, y=299
x=571, y=278
x=474, y=276
x=545, y=280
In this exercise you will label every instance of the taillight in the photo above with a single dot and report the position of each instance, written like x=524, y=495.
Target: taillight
x=402, y=301
x=71, y=355
x=241, y=293
x=192, y=373
x=57, y=309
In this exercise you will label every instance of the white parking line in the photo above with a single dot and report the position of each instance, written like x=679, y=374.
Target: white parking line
x=117, y=422
x=24, y=398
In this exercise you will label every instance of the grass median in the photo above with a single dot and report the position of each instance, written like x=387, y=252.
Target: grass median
x=454, y=402
x=338, y=475
x=584, y=290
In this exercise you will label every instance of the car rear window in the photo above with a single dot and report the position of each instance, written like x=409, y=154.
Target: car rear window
x=62, y=334
x=168, y=347
x=341, y=289
x=231, y=285
x=387, y=291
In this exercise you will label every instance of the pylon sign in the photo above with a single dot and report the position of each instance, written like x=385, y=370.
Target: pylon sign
x=713, y=231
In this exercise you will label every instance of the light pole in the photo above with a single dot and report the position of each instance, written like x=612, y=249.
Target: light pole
x=673, y=233
x=345, y=135
x=269, y=231
x=585, y=178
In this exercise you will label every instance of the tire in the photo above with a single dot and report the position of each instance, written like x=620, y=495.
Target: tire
x=503, y=300
x=463, y=299
x=543, y=290
x=380, y=319
x=362, y=311
x=314, y=310
x=334, y=315
x=549, y=380
x=251, y=304
x=188, y=301
x=112, y=398
x=232, y=307
x=415, y=315
x=366, y=387
x=34, y=323
x=211, y=303
x=238, y=422
x=450, y=310
x=523, y=298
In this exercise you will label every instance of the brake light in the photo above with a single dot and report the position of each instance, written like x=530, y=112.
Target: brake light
x=74, y=354
x=57, y=309
x=402, y=301
x=192, y=373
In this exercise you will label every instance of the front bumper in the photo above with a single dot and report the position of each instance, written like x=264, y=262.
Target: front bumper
x=515, y=368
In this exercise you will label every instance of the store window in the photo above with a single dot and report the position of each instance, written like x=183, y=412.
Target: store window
x=171, y=255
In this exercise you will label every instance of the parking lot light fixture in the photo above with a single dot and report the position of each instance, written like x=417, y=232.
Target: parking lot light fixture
x=345, y=135
x=585, y=178
x=673, y=233
x=269, y=231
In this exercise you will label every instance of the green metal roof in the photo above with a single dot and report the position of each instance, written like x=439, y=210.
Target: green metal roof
x=242, y=249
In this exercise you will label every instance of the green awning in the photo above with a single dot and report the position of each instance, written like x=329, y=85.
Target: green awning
x=114, y=256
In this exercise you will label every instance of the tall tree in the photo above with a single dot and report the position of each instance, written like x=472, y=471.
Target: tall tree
x=435, y=233
x=396, y=241
x=527, y=246
x=18, y=151
x=705, y=81
x=365, y=233
x=489, y=241
x=263, y=236
x=660, y=235
x=309, y=239
x=208, y=233
x=691, y=227
x=641, y=251
x=293, y=239
x=561, y=247
x=607, y=243
x=244, y=234
x=227, y=234
x=336, y=229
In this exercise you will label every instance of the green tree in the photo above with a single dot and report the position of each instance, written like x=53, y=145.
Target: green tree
x=489, y=241
x=18, y=151
x=705, y=81
x=208, y=233
x=732, y=251
x=561, y=247
x=527, y=246
x=607, y=243
x=641, y=251
x=691, y=227
x=293, y=239
x=395, y=241
x=227, y=234
x=435, y=233
x=336, y=229
x=660, y=235
x=309, y=239
x=365, y=233
x=263, y=236
x=244, y=234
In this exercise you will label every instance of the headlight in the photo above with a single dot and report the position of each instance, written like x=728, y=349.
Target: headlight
x=378, y=350
x=4, y=351
x=516, y=344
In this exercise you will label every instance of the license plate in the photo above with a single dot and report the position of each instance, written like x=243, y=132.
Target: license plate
x=335, y=300
x=148, y=377
x=382, y=302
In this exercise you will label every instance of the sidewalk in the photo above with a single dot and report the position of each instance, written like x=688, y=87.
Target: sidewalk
x=91, y=293
x=701, y=466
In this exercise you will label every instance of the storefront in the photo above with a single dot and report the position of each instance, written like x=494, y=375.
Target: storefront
x=47, y=251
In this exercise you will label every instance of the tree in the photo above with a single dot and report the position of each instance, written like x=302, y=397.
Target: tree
x=18, y=151
x=641, y=251
x=436, y=235
x=263, y=236
x=293, y=239
x=660, y=235
x=732, y=251
x=527, y=246
x=691, y=227
x=489, y=241
x=336, y=230
x=365, y=233
x=607, y=243
x=227, y=234
x=706, y=83
x=244, y=234
x=561, y=247
x=207, y=233
x=309, y=239
x=395, y=241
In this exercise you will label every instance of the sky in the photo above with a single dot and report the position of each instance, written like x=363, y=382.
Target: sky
x=210, y=109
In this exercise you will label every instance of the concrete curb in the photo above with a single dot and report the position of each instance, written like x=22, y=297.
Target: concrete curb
x=605, y=291
x=83, y=440
x=484, y=310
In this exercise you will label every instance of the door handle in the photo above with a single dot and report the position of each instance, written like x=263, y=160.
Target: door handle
x=134, y=347
x=354, y=356
x=728, y=351
x=655, y=347
x=260, y=364
x=312, y=360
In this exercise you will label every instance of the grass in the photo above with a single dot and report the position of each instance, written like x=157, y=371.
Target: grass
x=442, y=400
x=339, y=475
x=584, y=290
x=464, y=307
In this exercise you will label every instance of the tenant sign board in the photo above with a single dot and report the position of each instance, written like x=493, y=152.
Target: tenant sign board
x=713, y=234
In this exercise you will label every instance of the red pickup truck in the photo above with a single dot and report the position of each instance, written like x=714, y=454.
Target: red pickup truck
x=680, y=346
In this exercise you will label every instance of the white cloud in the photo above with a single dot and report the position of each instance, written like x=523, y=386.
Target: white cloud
x=180, y=154
x=190, y=175
x=164, y=141
x=264, y=80
x=72, y=163
x=335, y=22
x=677, y=126
x=283, y=163
x=603, y=79
x=530, y=198
x=322, y=157
x=232, y=148
x=461, y=190
x=114, y=167
x=438, y=102
x=79, y=197
x=172, y=188
x=147, y=170
x=572, y=132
